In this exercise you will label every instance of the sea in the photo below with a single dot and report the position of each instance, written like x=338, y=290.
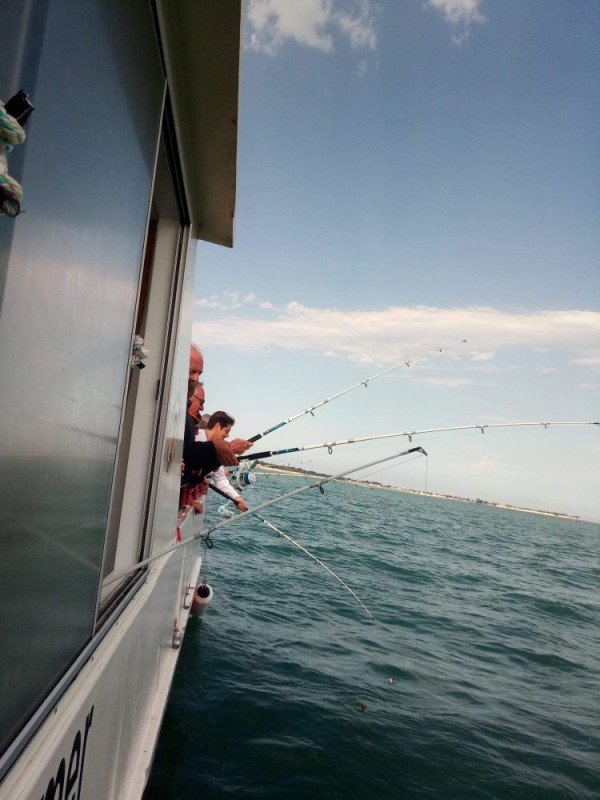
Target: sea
x=478, y=675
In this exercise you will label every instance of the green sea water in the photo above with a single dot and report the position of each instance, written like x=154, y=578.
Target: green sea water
x=478, y=677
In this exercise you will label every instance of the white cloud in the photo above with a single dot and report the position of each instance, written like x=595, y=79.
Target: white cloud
x=358, y=27
x=230, y=301
x=206, y=302
x=460, y=14
x=490, y=369
x=458, y=11
x=592, y=359
x=387, y=336
x=272, y=23
x=451, y=381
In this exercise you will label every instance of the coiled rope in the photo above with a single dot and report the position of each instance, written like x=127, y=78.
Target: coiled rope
x=11, y=133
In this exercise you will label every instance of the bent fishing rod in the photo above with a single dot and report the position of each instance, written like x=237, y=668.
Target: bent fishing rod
x=364, y=383
x=301, y=547
x=408, y=434
x=117, y=576
x=314, y=558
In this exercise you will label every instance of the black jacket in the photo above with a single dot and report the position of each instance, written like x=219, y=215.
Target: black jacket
x=199, y=458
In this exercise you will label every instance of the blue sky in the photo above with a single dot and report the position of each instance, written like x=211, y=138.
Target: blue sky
x=411, y=173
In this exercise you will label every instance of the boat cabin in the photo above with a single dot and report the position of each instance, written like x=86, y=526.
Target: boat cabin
x=129, y=116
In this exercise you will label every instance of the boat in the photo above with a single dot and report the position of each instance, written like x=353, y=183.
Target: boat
x=125, y=118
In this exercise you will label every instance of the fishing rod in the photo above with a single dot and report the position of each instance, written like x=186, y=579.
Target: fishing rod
x=286, y=536
x=117, y=576
x=408, y=434
x=308, y=553
x=350, y=388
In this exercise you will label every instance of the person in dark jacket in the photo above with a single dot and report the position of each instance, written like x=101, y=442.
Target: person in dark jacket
x=200, y=458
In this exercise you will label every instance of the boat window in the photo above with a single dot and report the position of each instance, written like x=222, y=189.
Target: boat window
x=133, y=485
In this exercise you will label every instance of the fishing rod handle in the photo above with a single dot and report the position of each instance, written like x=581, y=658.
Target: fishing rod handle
x=219, y=491
x=264, y=454
x=269, y=430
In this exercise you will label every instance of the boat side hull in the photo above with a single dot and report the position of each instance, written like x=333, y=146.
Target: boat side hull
x=98, y=742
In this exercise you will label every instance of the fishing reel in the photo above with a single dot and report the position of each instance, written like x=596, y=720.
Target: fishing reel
x=225, y=511
x=243, y=478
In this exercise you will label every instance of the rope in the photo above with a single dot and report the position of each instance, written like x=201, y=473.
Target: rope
x=10, y=130
x=138, y=352
x=11, y=133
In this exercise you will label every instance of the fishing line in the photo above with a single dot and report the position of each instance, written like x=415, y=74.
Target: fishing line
x=286, y=536
x=364, y=383
x=117, y=576
x=311, y=555
x=386, y=469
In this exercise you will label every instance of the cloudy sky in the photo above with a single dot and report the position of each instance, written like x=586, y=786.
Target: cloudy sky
x=413, y=173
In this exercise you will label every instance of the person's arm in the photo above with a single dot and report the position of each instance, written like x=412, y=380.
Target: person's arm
x=205, y=457
x=199, y=456
x=240, y=446
x=220, y=481
x=225, y=454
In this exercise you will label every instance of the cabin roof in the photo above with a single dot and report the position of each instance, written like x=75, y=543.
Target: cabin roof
x=201, y=45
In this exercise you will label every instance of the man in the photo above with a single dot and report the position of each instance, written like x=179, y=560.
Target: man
x=196, y=363
x=196, y=402
x=200, y=458
x=195, y=408
x=218, y=429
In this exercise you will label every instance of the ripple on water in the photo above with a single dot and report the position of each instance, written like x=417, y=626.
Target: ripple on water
x=486, y=624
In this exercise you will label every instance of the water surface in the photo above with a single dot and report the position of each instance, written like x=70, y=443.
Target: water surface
x=480, y=670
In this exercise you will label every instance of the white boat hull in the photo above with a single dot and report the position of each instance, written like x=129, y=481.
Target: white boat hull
x=99, y=741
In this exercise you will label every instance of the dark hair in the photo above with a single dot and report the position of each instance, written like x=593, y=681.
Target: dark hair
x=219, y=418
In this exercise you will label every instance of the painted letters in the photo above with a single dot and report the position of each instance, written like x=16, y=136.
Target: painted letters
x=57, y=788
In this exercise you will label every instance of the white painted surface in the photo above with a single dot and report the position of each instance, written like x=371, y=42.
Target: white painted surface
x=101, y=735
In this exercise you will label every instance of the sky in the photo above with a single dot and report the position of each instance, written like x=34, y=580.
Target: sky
x=412, y=173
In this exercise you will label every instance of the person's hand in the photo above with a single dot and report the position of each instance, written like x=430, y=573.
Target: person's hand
x=240, y=504
x=240, y=446
x=197, y=506
x=225, y=454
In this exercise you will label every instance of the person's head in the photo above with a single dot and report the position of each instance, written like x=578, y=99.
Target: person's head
x=219, y=426
x=196, y=363
x=196, y=402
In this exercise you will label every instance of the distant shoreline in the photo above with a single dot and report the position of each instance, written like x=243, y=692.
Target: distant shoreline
x=299, y=473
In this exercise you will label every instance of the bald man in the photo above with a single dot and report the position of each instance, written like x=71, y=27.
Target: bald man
x=196, y=363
